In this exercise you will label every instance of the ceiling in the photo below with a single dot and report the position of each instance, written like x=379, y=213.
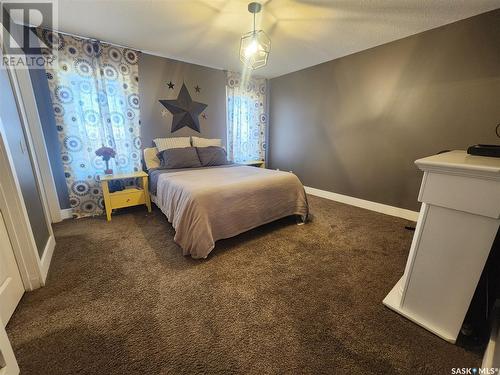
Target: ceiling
x=303, y=32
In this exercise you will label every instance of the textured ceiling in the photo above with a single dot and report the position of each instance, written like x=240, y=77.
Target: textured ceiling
x=303, y=32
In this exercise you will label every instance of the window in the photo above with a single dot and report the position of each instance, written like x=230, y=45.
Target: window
x=246, y=118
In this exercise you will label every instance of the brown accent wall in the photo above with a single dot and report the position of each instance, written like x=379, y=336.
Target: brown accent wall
x=154, y=74
x=356, y=124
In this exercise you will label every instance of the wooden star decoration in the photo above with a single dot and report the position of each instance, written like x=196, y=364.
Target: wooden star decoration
x=197, y=88
x=184, y=110
x=170, y=85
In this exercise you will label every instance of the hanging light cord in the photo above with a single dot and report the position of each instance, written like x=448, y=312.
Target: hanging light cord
x=254, y=23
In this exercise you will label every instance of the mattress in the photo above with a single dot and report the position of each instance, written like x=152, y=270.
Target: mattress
x=208, y=204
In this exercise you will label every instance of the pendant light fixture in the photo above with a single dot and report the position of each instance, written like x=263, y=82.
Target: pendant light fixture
x=255, y=45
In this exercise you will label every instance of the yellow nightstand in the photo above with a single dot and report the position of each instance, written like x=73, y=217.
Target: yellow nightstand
x=131, y=196
x=254, y=163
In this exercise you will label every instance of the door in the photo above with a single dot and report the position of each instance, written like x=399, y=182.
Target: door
x=8, y=363
x=11, y=285
x=23, y=162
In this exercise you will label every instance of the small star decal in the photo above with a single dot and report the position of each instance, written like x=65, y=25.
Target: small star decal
x=171, y=85
x=197, y=88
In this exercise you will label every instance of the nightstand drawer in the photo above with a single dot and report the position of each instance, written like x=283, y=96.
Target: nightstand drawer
x=255, y=163
x=131, y=196
x=127, y=197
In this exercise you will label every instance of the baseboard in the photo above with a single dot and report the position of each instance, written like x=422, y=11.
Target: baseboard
x=369, y=205
x=66, y=213
x=491, y=357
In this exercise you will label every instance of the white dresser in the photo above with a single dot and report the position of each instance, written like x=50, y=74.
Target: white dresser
x=457, y=225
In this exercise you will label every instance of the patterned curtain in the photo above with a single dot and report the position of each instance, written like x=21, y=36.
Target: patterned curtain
x=94, y=88
x=246, y=118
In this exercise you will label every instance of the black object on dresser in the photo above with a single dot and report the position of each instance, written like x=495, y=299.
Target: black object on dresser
x=485, y=150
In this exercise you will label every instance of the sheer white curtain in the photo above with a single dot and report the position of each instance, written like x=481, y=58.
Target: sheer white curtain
x=246, y=118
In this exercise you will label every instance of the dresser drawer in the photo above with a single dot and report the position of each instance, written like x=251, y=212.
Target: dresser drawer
x=127, y=197
x=463, y=193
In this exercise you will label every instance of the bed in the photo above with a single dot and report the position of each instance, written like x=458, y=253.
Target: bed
x=207, y=204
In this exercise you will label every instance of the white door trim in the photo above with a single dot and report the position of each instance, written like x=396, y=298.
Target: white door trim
x=47, y=257
x=25, y=96
x=28, y=112
x=491, y=357
x=16, y=220
x=7, y=354
x=11, y=283
x=23, y=90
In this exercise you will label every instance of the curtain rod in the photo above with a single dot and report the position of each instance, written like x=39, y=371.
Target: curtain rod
x=90, y=38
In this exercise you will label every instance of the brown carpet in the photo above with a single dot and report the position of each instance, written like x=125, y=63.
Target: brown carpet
x=280, y=299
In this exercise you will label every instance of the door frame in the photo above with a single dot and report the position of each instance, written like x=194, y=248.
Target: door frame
x=16, y=219
x=33, y=269
x=25, y=97
x=28, y=113
x=12, y=287
x=7, y=354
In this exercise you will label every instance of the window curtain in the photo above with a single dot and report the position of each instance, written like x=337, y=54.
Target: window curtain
x=246, y=118
x=94, y=88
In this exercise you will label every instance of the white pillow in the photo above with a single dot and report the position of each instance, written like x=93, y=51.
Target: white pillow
x=205, y=142
x=150, y=158
x=176, y=142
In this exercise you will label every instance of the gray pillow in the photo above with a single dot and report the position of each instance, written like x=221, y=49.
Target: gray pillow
x=184, y=157
x=212, y=156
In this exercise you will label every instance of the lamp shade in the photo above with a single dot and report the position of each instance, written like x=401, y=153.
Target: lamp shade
x=254, y=49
